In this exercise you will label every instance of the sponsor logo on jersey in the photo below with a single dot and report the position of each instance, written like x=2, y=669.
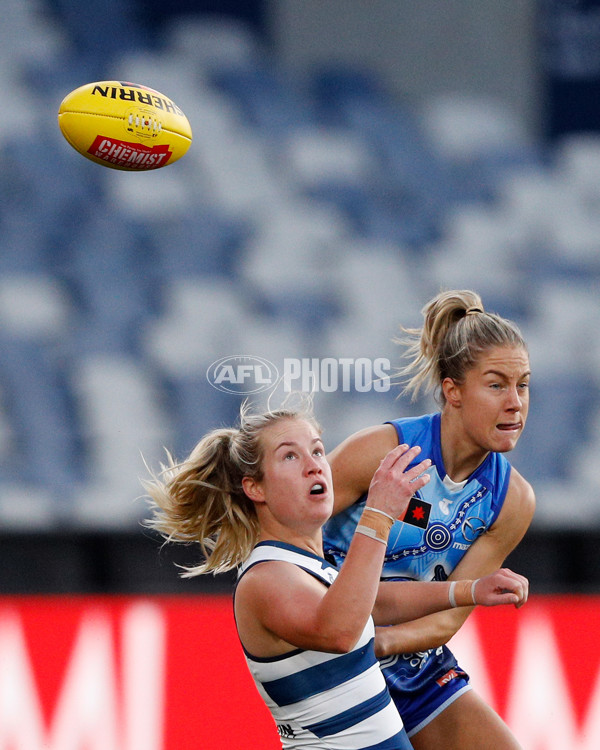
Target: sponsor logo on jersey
x=418, y=512
x=473, y=527
x=285, y=730
x=450, y=675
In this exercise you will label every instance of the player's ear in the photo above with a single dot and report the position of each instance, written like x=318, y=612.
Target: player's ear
x=451, y=392
x=253, y=489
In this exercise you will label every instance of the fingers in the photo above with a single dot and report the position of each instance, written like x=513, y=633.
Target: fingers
x=417, y=475
x=400, y=457
x=520, y=586
x=393, y=483
x=516, y=584
x=502, y=587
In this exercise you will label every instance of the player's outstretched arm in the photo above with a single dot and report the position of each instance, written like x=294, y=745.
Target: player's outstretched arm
x=398, y=601
x=485, y=556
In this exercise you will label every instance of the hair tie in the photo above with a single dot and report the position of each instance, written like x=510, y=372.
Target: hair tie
x=473, y=310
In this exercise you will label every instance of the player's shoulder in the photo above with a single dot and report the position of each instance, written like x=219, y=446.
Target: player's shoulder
x=521, y=487
x=520, y=497
x=354, y=461
x=268, y=578
x=377, y=440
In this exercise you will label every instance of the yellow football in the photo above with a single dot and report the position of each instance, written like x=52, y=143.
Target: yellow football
x=124, y=126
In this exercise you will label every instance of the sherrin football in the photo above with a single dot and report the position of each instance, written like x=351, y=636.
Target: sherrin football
x=124, y=126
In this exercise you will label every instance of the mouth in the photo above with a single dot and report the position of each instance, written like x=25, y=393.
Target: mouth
x=509, y=427
x=317, y=489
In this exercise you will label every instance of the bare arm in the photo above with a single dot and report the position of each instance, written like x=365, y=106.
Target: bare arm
x=298, y=611
x=487, y=554
x=355, y=460
x=279, y=606
x=399, y=601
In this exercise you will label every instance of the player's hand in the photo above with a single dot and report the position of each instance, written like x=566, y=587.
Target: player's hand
x=393, y=485
x=502, y=587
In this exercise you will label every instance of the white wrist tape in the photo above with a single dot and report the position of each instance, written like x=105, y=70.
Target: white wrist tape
x=451, y=594
x=368, y=531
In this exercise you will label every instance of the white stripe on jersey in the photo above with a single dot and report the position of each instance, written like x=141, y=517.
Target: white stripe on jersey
x=339, y=699
x=351, y=709
x=277, y=668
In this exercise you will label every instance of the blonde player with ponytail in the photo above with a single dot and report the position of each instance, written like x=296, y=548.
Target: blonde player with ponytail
x=256, y=498
x=472, y=513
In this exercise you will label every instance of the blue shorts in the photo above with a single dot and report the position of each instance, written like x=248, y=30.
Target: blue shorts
x=420, y=707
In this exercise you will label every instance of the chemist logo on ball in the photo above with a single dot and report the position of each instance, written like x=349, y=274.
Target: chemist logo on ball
x=242, y=374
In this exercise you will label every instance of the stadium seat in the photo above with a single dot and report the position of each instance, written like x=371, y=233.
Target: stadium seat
x=40, y=406
x=266, y=99
x=291, y=263
x=209, y=43
x=558, y=422
x=200, y=243
x=124, y=426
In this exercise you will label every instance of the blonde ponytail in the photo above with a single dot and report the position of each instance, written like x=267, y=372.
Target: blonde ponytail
x=456, y=330
x=201, y=499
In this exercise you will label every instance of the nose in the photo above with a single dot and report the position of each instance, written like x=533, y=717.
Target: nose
x=312, y=465
x=514, y=401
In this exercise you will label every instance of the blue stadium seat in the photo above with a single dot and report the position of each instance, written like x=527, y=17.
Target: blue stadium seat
x=412, y=169
x=107, y=28
x=108, y=274
x=265, y=98
x=33, y=192
x=43, y=415
x=196, y=407
x=558, y=423
x=198, y=244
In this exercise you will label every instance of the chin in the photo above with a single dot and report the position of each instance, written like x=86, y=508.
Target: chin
x=507, y=444
x=326, y=514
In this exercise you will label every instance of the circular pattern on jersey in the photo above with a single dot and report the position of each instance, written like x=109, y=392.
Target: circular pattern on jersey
x=438, y=537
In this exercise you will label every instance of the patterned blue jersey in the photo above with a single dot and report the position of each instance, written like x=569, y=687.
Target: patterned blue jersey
x=460, y=513
x=323, y=700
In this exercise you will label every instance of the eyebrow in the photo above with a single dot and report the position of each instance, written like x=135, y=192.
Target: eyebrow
x=503, y=375
x=293, y=444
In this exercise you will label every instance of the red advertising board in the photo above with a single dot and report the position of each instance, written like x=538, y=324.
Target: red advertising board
x=167, y=673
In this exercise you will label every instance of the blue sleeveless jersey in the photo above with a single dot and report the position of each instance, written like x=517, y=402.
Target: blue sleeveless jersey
x=460, y=513
x=323, y=700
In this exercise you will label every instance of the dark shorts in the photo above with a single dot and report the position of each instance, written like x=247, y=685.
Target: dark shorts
x=420, y=707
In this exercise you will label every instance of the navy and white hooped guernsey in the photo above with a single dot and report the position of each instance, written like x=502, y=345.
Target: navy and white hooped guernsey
x=321, y=700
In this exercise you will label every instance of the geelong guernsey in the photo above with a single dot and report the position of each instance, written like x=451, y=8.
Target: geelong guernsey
x=321, y=700
x=460, y=513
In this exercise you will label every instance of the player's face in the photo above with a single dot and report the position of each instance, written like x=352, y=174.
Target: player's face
x=494, y=398
x=296, y=484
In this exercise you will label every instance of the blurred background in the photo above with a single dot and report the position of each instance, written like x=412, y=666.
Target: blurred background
x=349, y=160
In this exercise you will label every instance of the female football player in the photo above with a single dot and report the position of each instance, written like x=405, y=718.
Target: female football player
x=472, y=513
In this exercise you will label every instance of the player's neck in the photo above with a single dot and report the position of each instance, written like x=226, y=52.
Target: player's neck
x=310, y=543
x=460, y=454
